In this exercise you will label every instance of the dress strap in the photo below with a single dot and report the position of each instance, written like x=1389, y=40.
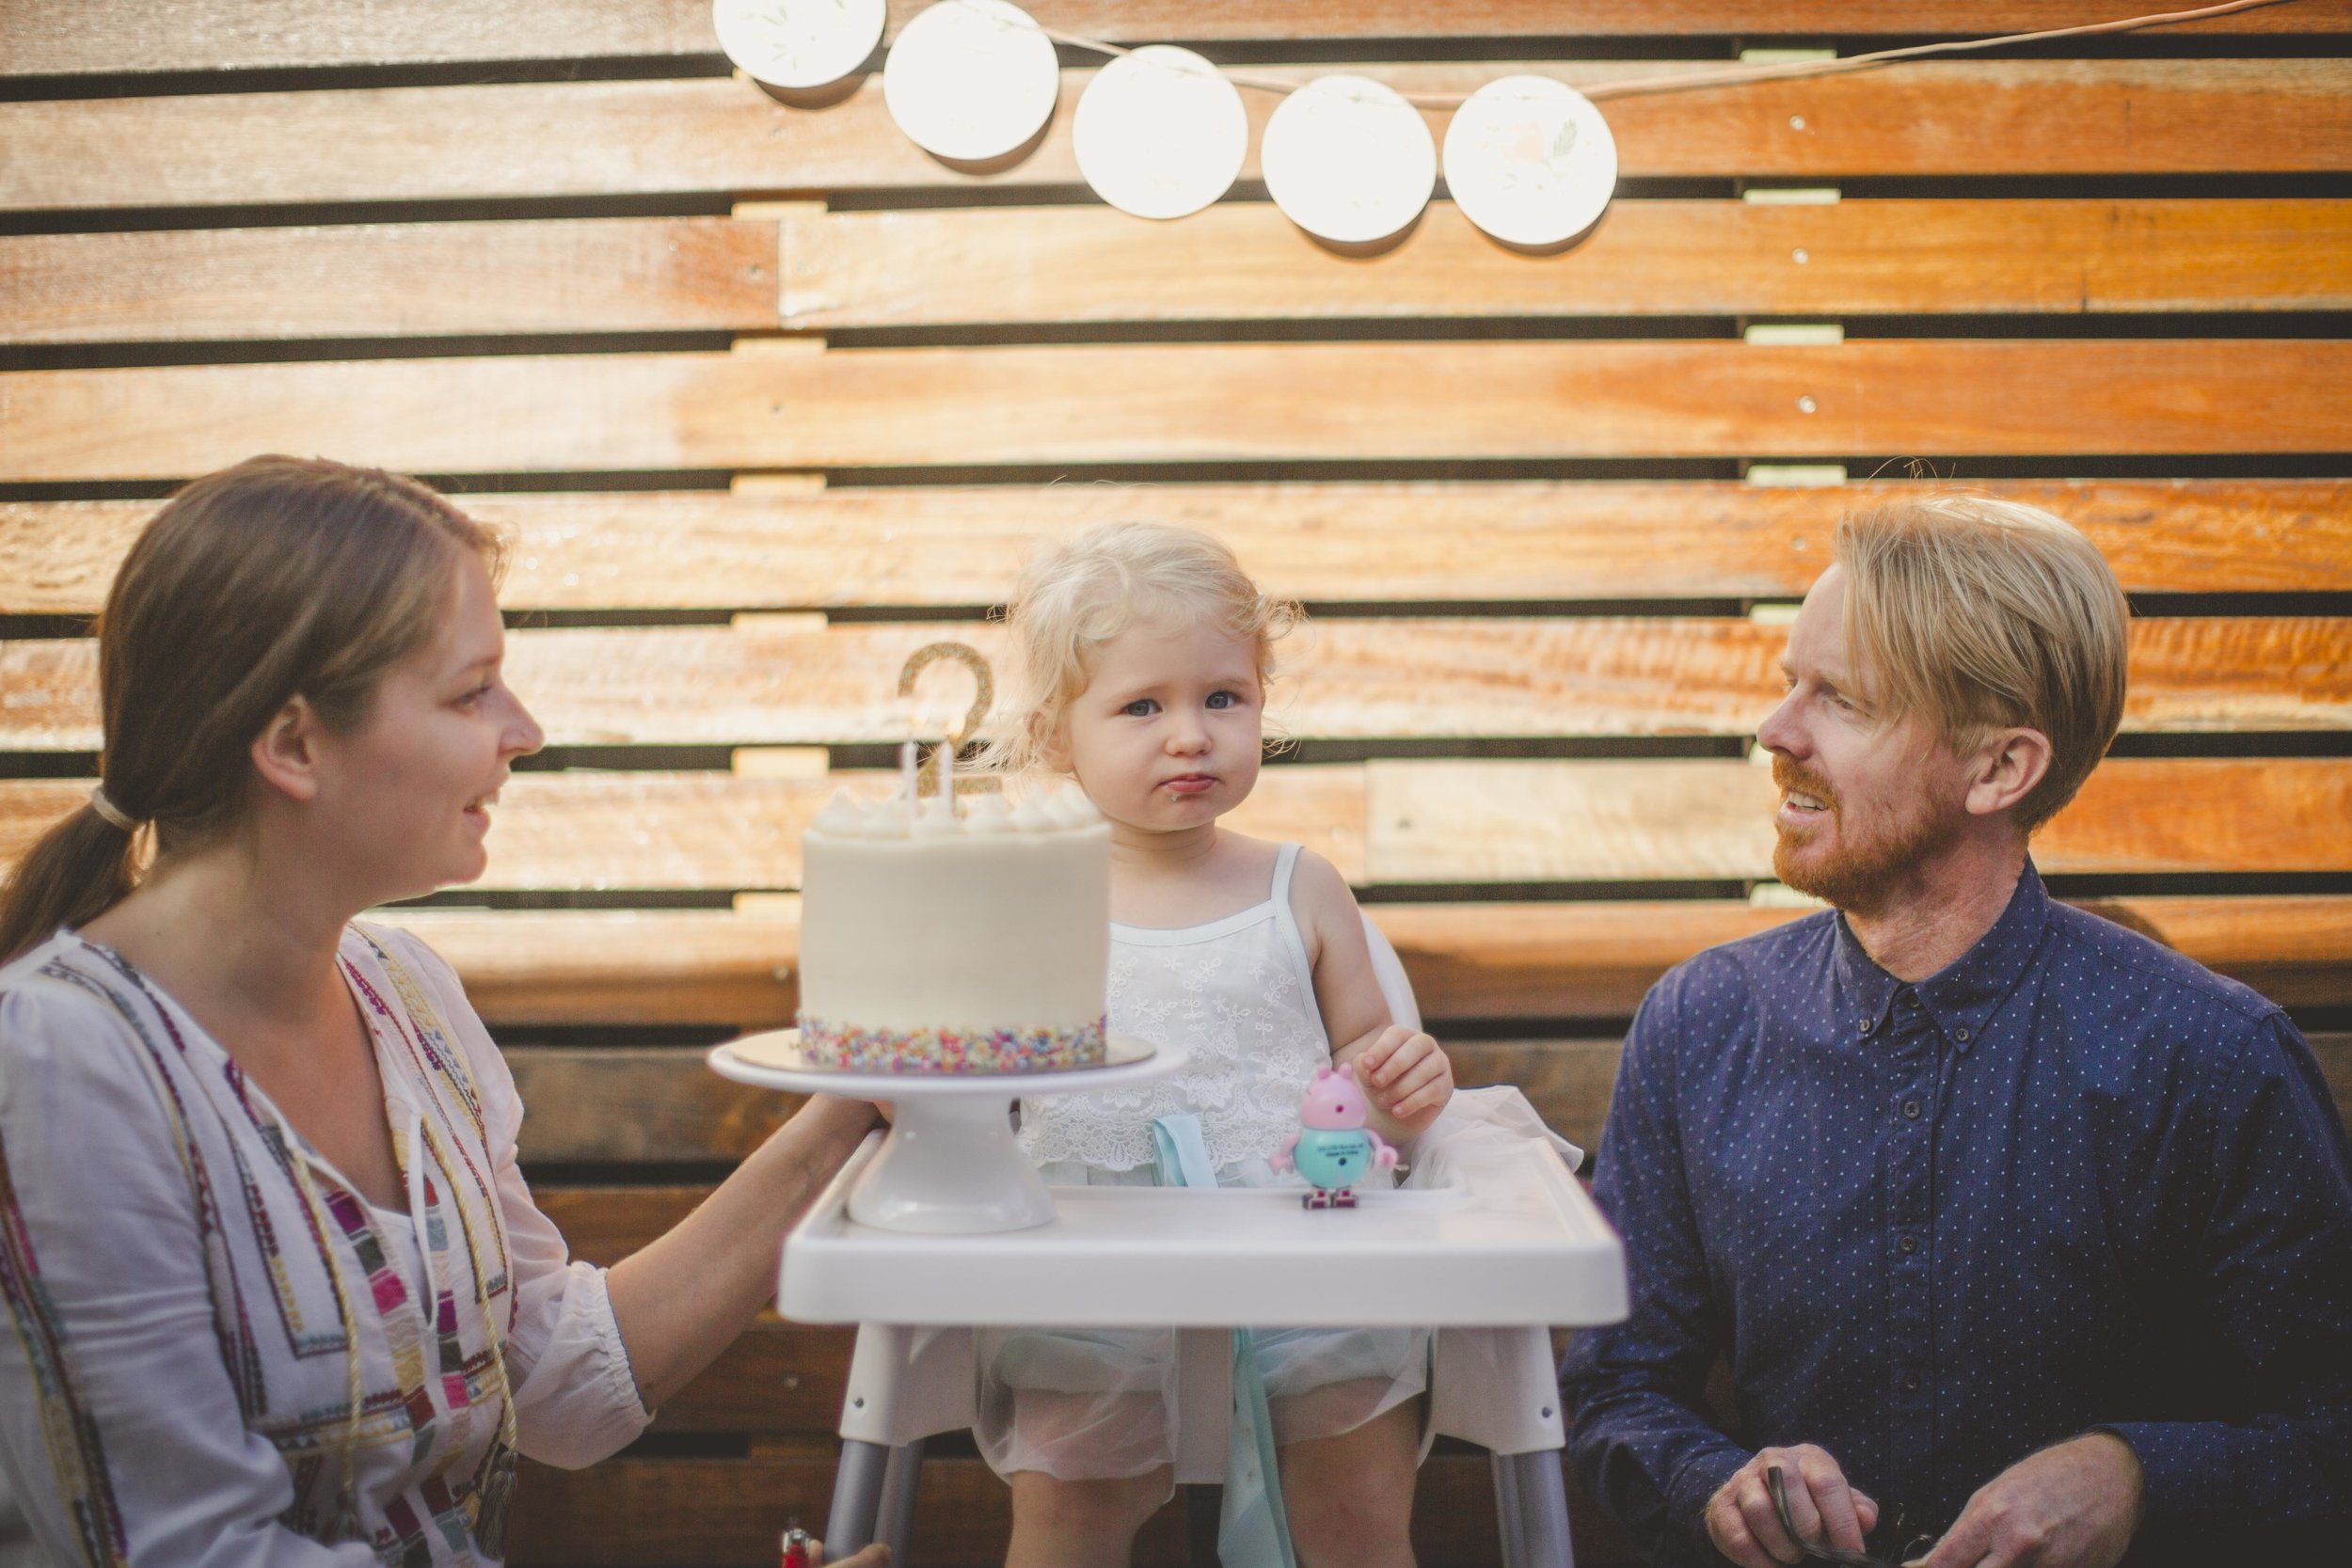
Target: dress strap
x=1286, y=919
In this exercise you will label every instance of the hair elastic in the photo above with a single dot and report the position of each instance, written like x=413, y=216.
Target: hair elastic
x=111, y=812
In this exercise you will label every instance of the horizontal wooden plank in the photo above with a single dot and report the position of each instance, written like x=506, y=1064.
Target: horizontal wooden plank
x=662, y=137
x=618, y=966
x=776, y=1377
x=724, y=832
x=1548, y=821
x=1245, y=261
x=628, y=1104
x=633, y=1104
x=1428, y=543
x=1342, y=679
x=1399, y=823
x=121, y=36
x=1187, y=402
x=1467, y=961
x=662, y=1105
x=1240, y=260
x=390, y=280
x=722, y=1514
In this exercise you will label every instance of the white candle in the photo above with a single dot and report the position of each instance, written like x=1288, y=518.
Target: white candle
x=906, y=770
x=947, y=773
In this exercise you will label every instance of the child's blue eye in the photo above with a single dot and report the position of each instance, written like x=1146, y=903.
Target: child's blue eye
x=1223, y=698
x=1142, y=707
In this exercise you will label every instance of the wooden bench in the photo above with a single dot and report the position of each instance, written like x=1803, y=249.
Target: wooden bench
x=765, y=397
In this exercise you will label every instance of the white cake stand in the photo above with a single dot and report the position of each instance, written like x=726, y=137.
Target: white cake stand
x=950, y=1166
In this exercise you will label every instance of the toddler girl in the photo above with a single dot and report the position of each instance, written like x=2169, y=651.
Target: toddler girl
x=1147, y=652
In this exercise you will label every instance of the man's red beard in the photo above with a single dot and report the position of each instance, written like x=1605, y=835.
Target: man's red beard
x=1866, y=868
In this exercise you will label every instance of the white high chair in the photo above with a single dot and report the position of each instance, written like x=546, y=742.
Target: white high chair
x=1493, y=1383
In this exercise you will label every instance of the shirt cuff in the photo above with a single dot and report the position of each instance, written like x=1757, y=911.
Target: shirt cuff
x=620, y=1371
x=1694, y=1485
x=2178, y=1463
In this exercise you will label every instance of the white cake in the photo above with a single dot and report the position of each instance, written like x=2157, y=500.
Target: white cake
x=943, y=941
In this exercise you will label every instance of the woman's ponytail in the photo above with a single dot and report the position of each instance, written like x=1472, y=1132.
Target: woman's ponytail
x=76, y=871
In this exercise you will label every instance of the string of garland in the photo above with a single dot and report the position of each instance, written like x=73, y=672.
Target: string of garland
x=1777, y=71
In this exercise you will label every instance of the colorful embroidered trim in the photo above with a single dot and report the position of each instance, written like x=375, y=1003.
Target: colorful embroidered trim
x=76, y=1454
x=856, y=1048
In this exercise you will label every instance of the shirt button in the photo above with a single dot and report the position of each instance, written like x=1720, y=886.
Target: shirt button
x=1868, y=1025
x=1908, y=1245
x=1961, y=1035
x=1911, y=1382
x=1911, y=1109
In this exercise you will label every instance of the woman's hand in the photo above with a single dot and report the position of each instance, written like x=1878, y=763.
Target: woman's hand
x=875, y=1556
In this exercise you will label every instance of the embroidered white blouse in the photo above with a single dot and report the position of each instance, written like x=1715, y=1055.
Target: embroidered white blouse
x=187, y=1283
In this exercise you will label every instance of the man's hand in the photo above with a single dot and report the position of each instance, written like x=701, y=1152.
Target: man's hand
x=1404, y=1073
x=875, y=1556
x=2074, y=1505
x=1744, y=1528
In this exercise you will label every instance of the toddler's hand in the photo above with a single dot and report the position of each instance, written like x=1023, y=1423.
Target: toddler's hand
x=1404, y=1073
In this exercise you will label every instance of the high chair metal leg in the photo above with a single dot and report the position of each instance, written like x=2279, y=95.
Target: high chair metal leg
x=857, y=1489
x=901, y=1478
x=1532, y=1499
x=1507, y=1512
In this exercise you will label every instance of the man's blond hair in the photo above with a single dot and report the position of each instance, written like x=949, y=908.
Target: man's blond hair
x=1980, y=615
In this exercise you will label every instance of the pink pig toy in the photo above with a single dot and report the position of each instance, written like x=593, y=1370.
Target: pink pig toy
x=1332, y=1147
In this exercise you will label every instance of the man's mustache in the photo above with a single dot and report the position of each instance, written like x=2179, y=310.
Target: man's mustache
x=1793, y=777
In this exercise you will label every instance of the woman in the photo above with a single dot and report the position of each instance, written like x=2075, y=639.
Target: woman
x=278, y=1289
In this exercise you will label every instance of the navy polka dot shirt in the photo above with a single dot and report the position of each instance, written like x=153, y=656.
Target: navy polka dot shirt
x=2075, y=1180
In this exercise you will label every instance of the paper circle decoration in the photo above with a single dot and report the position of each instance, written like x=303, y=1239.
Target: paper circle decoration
x=1348, y=160
x=799, y=43
x=971, y=80
x=1161, y=132
x=1530, y=161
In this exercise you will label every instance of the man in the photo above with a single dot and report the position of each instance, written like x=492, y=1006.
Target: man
x=2016, y=1229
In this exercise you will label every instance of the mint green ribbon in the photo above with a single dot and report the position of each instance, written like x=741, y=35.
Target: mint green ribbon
x=1254, y=1530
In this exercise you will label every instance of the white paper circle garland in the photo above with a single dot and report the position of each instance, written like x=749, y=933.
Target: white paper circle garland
x=799, y=43
x=971, y=80
x=1531, y=161
x=1160, y=133
x=1348, y=160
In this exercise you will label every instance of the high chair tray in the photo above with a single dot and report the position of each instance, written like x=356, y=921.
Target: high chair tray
x=1518, y=1242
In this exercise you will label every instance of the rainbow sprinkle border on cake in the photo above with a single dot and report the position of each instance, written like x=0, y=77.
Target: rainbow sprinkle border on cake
x=857, y=1048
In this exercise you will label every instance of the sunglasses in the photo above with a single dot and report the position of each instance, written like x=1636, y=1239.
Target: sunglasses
x=1777, y=1486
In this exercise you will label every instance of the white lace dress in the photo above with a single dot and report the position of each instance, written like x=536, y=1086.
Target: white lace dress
x=1238, y=994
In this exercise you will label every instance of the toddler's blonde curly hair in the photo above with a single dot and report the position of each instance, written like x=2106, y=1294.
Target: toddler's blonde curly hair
x=1073, y=598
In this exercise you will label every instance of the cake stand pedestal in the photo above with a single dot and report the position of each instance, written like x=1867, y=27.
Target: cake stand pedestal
x=950, y=1166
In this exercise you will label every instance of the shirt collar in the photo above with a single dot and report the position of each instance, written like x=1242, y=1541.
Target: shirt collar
x=1962, y=996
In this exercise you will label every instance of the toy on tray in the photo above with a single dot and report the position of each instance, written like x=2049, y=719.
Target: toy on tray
x=1332, y=1147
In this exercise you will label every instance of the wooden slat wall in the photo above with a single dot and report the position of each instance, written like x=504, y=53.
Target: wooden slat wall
x=112, y=36
x=1421, y=678
x=792, y=405
x=1490, y=543
x=641, y=138
x=556, y=251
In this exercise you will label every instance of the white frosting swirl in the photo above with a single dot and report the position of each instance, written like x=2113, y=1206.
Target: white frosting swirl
x=841, y=818
x=889, y=819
